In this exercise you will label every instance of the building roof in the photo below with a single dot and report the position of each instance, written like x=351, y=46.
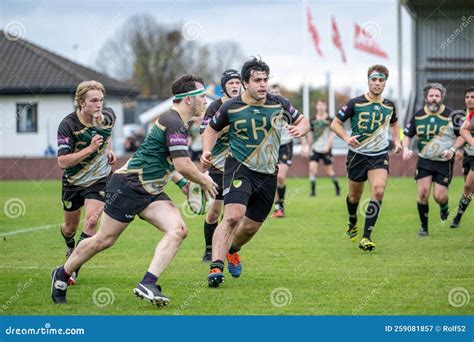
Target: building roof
x=431, y=6
x=26, y=68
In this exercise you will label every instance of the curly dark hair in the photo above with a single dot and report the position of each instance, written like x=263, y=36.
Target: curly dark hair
x=253, y=64
x=468, y=90
x=185, y=83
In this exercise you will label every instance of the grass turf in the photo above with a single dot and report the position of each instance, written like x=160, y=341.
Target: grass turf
x=300, y=265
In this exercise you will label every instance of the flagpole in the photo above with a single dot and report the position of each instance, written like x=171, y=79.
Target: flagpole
x=306, y=58
x=401, y=114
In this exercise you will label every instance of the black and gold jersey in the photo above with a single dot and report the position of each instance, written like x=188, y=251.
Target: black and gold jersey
x=370, y=122
x=75, y=135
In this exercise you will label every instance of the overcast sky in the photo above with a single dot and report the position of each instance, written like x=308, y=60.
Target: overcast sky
x=276, y=30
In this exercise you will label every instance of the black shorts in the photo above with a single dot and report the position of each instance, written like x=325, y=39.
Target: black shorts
x=358, y=165
x=218, y=177
x=122, y=202
x=440, y=171
x=285, y=153
x=253, y=189
x=195, y=155
x=73, y=197
x=467, y=164
x=325, y=157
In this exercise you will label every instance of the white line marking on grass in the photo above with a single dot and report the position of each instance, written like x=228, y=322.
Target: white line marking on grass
x=30, y=229
x=42, y=267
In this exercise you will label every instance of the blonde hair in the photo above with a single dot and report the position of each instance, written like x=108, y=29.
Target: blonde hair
x=83, y=88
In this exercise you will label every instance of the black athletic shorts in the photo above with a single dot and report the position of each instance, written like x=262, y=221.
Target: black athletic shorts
x=122, y=202
x=73, y=197
x=285, y=153
x=325, y=157
x=358, y=165
x=218, y=177
x=467, y=164
x=195, y=155
x=253, y=189
x=440, y=171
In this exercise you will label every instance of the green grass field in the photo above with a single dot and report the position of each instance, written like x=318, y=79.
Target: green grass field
x=304, y=260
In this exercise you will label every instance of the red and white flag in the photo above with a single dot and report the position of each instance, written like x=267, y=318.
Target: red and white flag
x=366, y=41
x=313, y=31
x=336, y=39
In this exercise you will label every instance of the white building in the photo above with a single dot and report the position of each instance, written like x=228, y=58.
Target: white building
x=37, y=91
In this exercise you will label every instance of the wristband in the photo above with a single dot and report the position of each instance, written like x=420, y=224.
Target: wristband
x=452, y=149
x=182, y=182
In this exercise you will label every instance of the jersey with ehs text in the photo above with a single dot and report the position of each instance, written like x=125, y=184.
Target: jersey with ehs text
x=370, y=122
x=151, y=166
x=221, y=148
x=75, y=135
x=470, y=117
x=435, y=132
x=255, y=129
x=321, y=129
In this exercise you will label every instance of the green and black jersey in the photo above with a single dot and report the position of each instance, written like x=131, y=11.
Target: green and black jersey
x=151, y=166
x=435, y=132
x=321, y=129
x=468, y=149
x=255, y=129
x=370, y=121
x=75, y=135
x=221, y=149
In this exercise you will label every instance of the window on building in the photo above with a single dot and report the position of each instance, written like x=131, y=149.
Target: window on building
x=27, y=117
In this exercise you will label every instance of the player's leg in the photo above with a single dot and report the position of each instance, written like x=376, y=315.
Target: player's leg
x=72, y=202
x=443, y=177
x=258, y=207
x=357, y=167
x=244, y=233
x=465, y=199
x=222, y=240
x=281, y=190
x=329, y=170
x=440, y=195
x=424, y=189
x=166, y=217
x=69, y=228
x=377, y=180
x=210, y=225
x=93, y=207
x=313, y=171
x=110, y=230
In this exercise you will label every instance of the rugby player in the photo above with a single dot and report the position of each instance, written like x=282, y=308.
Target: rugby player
x=372, y=117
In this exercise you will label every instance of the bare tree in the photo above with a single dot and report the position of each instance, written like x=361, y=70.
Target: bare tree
x=224, y=55
x=151, y=56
